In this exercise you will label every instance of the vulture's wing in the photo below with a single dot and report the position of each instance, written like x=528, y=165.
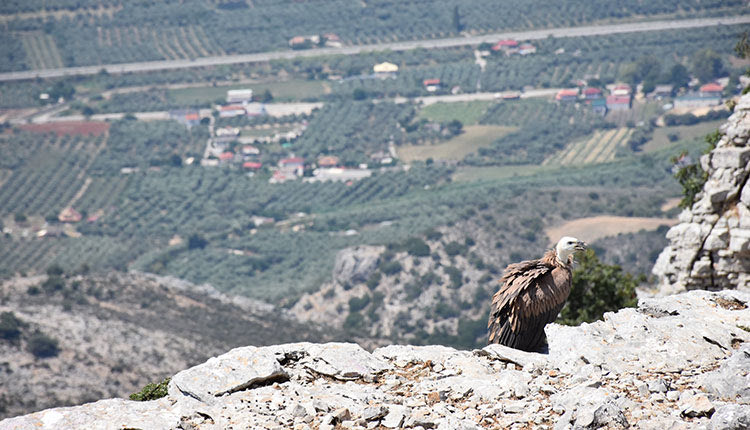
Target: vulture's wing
x=531, y=295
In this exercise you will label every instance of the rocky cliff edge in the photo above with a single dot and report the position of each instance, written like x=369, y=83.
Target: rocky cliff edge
x=675, y=362
x=710, y=247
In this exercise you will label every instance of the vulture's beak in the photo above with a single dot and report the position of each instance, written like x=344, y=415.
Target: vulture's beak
x=581, y=246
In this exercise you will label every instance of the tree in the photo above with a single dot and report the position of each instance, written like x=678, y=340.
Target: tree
x=707, y=65
x=457, y=20
x=677, y=76
x=197, y=241
x=266, y=96
x=359, y=94
x=597, y=288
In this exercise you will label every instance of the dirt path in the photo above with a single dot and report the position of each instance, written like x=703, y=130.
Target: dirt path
x=593, y=228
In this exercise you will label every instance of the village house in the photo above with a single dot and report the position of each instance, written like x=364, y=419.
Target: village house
x=328, y=161
x=527, y=49
x=186, y=117
x=567, y=95
x=385, y=69
x=661, y=91
x=618, y=103
x=508, y=46
x=69, y=215
x=332, y=40
x=226, y=157
x=599, y=106
x=621, y=90
x=592, y=93
x=431, y=85
x=230, y=111
x=338, y=174
x=250, y=150
x=711, y=89
x=252, y=165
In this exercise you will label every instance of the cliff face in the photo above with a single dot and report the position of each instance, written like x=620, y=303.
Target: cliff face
x=710, y=248
x=681, y=361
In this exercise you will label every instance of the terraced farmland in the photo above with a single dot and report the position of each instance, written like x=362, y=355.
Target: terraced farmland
x=41, y=51
x=599, y=148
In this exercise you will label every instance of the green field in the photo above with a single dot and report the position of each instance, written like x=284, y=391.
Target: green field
x=469, y=174
x=468, y=113
x=683, y=132
x=600, y=147
x=293, y=90
x=473, y=138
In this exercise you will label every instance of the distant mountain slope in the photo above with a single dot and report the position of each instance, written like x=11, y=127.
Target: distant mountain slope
x=117, y=332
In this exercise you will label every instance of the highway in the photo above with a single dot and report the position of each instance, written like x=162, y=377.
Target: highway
x=591, y=30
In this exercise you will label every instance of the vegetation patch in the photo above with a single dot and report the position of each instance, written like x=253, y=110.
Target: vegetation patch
x=470, y=141
x=151, y=391
x=469, y=113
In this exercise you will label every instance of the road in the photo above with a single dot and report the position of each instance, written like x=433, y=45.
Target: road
x=591, y=30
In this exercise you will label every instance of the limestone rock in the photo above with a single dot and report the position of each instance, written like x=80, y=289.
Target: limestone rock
x=710, y=248
x=236, y=370
x=608, y=374
x=356, y=264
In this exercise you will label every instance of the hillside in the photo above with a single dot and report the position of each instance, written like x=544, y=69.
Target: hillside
x=675, y=362
x=113, y=333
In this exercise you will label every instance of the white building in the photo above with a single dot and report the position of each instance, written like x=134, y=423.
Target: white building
x=240, y=96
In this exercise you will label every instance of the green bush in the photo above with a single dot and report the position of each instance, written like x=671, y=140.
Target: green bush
x=417, y=247
x=597, y=288
x=43, y=346
x=10, y=326
x=454, y=248
x=358, y=303
x=151, y=391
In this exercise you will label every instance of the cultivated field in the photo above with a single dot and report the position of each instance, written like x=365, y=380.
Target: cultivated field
x=599, y=148
x=292, y=90
x=468, y=113
x=41, y=51
x=682, y=132
x=593, y=228
x=77, y=128
x=473, y=138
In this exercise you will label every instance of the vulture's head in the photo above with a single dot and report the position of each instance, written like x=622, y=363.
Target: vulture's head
x=567, y=246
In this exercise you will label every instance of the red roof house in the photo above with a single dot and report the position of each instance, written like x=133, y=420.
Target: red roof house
x=69, y=215
x=711, y=90
x=225, y=156
x=618, y=102
x=254, y=165
x=567, y=95
x=505, y=45
x=592, y=93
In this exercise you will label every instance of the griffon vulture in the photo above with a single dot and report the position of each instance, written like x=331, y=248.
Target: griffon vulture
x=531, y=295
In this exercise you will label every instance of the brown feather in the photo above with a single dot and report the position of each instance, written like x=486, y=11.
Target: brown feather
x=531, y=295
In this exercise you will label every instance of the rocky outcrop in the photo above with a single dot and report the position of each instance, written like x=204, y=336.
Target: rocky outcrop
x=675, y=362
x=710, y=248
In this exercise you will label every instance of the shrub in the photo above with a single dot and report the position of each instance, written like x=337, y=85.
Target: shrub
x=43, y=346
x=454, y=248
x=151, y=391
x=10, y=326
x=374, y=280
x=391, y=267
x=597, y=288
x=417, y=247
x=455, y=276
x=358, y=303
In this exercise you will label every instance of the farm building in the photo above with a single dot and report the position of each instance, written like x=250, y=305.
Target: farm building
x=252, y=165
x=621, y=90
x=567, y=95
x=338, y=174
x=662, y=91
x=186, y=117
x=694, y=100
x=618, y=103
x=69, y=215
x=527, y=49
x=328, y=161
x=240, y=96
x=599, y=106
x=230, y=111
x=711, y=90
x=508, y=46
x=385, y=67
x=592, y=93
x=431, y=85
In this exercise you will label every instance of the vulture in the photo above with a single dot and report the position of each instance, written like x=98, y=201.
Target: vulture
x=531, y=295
